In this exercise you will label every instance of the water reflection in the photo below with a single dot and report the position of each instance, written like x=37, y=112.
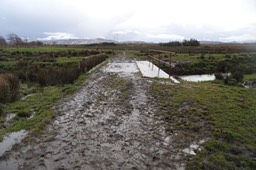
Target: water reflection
x=11, y=139
x=203, y=77
x=198, y=78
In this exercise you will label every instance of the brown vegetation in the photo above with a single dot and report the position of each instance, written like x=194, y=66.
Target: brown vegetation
x=9, y=87
x=53, y=75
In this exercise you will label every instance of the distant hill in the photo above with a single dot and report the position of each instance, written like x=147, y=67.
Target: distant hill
x=211, y=42
x=232, y=42
x=102, y=40
x=78, y=41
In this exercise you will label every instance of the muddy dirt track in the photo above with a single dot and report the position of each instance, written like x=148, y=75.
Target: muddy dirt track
x=109, y=124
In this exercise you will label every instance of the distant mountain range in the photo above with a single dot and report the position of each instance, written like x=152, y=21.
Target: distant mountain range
x=78, y=41
x=102, y=40
x=89, y=41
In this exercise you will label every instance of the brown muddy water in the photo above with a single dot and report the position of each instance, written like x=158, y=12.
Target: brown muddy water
x=111, y=123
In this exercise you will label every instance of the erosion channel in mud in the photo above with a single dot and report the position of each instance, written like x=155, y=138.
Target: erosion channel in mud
x=111, y=123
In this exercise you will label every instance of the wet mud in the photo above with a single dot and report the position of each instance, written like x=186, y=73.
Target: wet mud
x=111, y=123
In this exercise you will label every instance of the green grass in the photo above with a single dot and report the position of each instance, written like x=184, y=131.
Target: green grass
x=64, y=60
x=41, y=101
x=12, y=65
x=225, y=115
x=250, y=76
x=61, y=61
x=8, y=65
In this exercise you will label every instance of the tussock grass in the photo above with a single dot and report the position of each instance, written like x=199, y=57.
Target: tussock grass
x=57, y=75
x=9, y=87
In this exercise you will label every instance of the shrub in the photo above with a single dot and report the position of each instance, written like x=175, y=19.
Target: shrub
x=191, y=42
x=238, y=74
x=23, y=114
x=219, y=76
x=9, y=87
x=202, y=57
x=230, y=81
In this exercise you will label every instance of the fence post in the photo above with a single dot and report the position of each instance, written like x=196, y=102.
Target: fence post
x=152, y=62
x=149, y=60
x=170, y=65
x=159, y=59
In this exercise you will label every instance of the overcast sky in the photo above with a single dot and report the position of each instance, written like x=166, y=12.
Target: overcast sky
x=141, y=20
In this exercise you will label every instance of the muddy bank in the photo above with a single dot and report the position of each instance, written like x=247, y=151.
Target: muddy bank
x=111, y=123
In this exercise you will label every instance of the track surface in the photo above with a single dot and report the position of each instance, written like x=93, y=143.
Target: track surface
x=109, y=124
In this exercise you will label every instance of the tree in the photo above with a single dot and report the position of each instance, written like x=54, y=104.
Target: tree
x=191, y=42
x=14, y=39
x=2, y=41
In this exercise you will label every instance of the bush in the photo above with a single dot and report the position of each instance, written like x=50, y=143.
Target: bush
x=9, y=87
x=218, y=76
x=230, y=81
x=192, y=42
x=202, y=57
x=238, y=74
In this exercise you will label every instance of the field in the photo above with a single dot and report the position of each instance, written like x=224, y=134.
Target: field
x=221, y=113
x=46, y=75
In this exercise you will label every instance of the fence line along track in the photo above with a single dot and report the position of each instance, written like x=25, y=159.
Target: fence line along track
x=159, y=60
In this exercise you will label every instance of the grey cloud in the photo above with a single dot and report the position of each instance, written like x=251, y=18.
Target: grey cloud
x=32, y=18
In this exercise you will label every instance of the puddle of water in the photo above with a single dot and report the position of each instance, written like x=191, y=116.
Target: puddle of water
x=25, y=97
x=249, y=84
x=11, y=139
x=32, y=114
x=191, y=149
x=198, y=78
x=122, y=68
x=203, y=77
x=9, y=165
x=9, y=116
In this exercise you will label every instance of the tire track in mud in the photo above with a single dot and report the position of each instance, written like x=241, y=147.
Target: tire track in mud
x=109, y=124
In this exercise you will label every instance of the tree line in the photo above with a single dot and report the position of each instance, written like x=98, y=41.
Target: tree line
x=15, y=41
x=192, y=42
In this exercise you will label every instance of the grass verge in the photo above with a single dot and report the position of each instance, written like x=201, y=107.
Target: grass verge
x=224, y=115
x=250, y=76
